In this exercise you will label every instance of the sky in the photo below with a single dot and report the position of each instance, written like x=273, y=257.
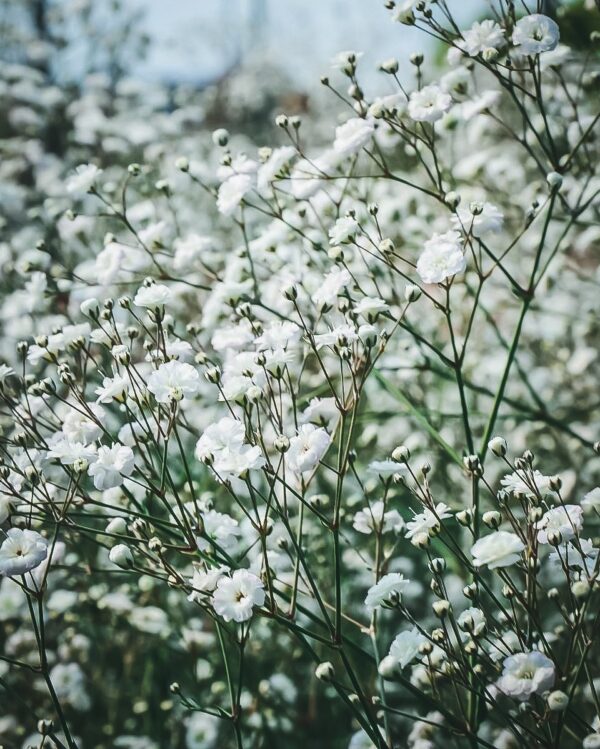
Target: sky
x=197, y=40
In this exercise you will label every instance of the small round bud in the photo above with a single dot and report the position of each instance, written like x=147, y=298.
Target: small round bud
x=388, y=667
x=554, y=180
x=121, y=556
x=220, y=137
x=281, y=443
x=325, y=671
x=452, y=200
x=558, y=701
x=401, y=454
x=492, y=519
x=412, y=293
x=183, y=164
x=390, y=66
x=498, y=446
x=45, y=727
x=441, y=608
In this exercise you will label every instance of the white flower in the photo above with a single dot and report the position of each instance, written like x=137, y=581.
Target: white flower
x=344, y=230
x=390, y=585
x=375, y=518
x=190, y=249
x=279, y=159
x=152, y=296
x=219, y=528
x=173, y=381
x=227, y=434
x=525, y=484
x=488, y=221
x=85, y=177
x=202, y=731
x=472, y=620
x=345, y=58
x=353, y=135
x=524, y=674
x=481, y=37
x=566, y=520
x=223, y=445
x=205, y=581
x=370, y=307
x=535, y=33
x=307, y=448
x=342, y=335
x=78, y=426
x=236, y=596
x=500, y=549
x=232, y=192
x=330, y=287
x=6, y=506
x=405, y=647
x=441, y=258
x=21, y=551
x=112, y=465
x=429, y=104
x=113, y=388
x=428, y=520
x=591, y=500
x=68, y=681
x=307, y=176
x=68, y=452
x=385, y=468
x=154, y=235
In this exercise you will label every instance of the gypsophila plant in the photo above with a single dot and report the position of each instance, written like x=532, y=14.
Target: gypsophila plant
x=299, y=443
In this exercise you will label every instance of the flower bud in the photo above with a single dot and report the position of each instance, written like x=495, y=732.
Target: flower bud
x=498, y=446
x=492, y=519
x=554, y=180
x=388, y=667
x=412, y=293
x=220, y=137
x=324, y=671
x=401, y=454
x=390, y=66
x=558, y=701
x=441, y=608
x=121, y=556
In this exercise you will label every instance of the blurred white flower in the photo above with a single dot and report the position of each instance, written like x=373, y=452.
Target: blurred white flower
x=499, y=549
x=353, y=135
x=390, y=585
x=405, y=648
x=85, y=177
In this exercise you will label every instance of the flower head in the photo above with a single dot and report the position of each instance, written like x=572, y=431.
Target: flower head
x=524, y=674
x=535, y=33
x=235, y=597
x=500, y=549
x=21, y=551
